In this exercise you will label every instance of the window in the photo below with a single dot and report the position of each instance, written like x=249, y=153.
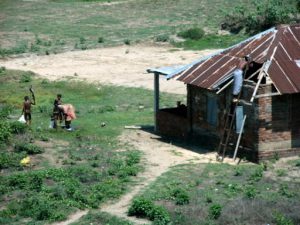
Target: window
x=212, y=109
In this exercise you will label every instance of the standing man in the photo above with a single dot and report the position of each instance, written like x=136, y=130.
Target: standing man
x=238, y=78
x=27, y=107
x=57, y=112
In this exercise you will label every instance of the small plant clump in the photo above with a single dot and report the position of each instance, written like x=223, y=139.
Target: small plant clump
x=181, y=196
x=145, y=208
x=162, y=38
x=282, y=220
x=100, y=39
x=192, y=33
x=215, y=211
x=5, y=131
x=26, y=77
x=28, y=148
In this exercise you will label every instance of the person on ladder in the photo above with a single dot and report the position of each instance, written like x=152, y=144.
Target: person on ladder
x=238, y=79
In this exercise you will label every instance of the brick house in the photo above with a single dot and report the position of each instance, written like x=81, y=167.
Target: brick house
x=270, y=96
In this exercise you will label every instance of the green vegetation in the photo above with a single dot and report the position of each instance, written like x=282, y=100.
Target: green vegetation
x=224, y=194
x=194, y=33
x=211, y=41
x=46, y=174
x=101, y=218
x=263, y=15
x=145, y=208
x=52, y=26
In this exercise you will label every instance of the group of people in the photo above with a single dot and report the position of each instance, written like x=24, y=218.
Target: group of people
x=61, y=112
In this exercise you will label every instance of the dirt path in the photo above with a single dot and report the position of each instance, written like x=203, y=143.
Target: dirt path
x=158, y=158
x=122, y=65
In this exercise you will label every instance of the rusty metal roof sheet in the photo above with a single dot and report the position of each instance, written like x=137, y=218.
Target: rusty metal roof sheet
x=280, y=46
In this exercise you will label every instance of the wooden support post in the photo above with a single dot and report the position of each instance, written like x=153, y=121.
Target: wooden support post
x=156, y=99
x=239, y=138
x=260, y=77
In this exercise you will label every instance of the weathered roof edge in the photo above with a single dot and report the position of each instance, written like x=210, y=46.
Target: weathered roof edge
x=180, y=70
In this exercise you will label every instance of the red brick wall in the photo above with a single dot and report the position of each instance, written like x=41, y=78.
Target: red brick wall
x=172, y=124
x=272, y=125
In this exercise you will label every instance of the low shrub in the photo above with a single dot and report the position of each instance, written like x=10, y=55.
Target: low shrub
x=145, y=208
x=282, y=220
x=127, y=42
x=140, y=207
x=5, y=111
x=100, y=40
x=2, y=70
x=26, y=77
x=284, y=191
x=162, y=38
x=159, y=215
x=250, y=192
x=181, y=196
x=5, y=131
x=28, y=148
x=10, y=159
x=18, y=128
x=258, y=174
x=133, y=157
x=215, y=211
x=192, y=33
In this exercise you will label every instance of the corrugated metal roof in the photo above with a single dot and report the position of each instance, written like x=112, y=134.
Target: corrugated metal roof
x=280, y=46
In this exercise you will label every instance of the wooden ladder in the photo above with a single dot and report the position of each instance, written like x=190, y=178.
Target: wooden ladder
x=231, y=113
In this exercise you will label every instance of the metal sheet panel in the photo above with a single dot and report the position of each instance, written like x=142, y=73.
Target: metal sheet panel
x=281, y=47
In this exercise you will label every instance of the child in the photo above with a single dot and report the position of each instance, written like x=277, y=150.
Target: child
x=27, y=109
x=57, y=112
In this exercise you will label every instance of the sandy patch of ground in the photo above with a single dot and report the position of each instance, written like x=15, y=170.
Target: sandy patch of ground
x=122, y=65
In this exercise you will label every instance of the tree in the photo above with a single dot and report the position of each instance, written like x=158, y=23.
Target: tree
x=261, y=15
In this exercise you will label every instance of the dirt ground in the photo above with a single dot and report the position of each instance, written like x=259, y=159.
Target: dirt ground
x=122, y=65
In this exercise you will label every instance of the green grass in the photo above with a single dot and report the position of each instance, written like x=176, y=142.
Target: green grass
x=211, y=42
x=54, y=26
x=69, y=170
x=224, y=194
x=101, y=218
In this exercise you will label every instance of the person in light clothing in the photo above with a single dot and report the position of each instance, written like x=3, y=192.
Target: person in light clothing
x=238, y=79
x=69, y=114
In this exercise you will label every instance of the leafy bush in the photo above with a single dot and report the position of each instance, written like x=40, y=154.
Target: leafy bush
x=5, y=111
x=100, y=40
x=282, y=220
x=127, y=42
x=192, y=33
x=181, y=196
x=263, y=15
x=133, y=157
x=26, y=77
x=162, y=38
x=258, y=174
x=297, y=163
x=284, y=191
x=82, y=40
x=159, y=215
x=18, y=128
x=28, y=148
x=142, y=207
x=215, y=211
x=250, y=192
x=10, y=159
x=5, y=131
x=2, y=70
